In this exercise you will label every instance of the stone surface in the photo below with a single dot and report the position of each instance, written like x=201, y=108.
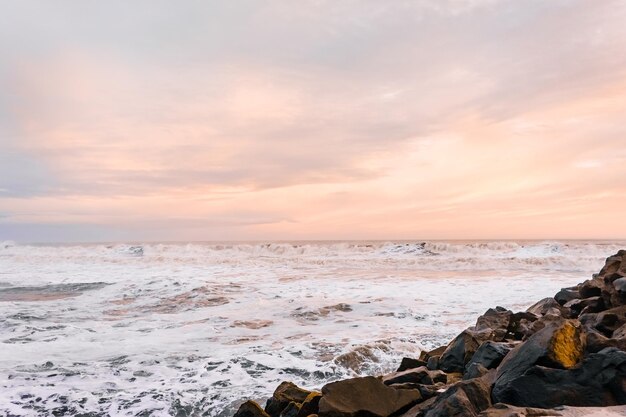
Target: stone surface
x=366, y=396
x=465, y=398
x=410, y=363
x=284, y=394
x=490, y=354
x=421, y=375
x=250, y=409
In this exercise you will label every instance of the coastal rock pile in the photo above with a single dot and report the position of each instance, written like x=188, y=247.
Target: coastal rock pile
x=569, y=350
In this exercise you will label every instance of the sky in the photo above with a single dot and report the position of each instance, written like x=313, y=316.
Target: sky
x=153, y=120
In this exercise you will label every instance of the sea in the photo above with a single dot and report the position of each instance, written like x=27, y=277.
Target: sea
x=194, y=329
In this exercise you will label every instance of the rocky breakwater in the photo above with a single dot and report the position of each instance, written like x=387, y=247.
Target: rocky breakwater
x=562, y=353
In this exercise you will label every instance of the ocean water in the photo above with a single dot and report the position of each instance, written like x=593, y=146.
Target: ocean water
x=192, y=329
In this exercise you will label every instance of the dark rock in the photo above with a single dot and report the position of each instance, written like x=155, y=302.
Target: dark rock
x=610, y=320
x=521, y=325
x=424, y=356
x=599, y=381
x=495, y=320
x=285, y=393
x=474, y=370
x=250, y=409
x=433, y=363
x=567, y=294
x=596, y=341
x=490, y=354
x=590, y=305
x=427, y=391
x=410, y=363
x=291, y=410
x=418, y=410
x=548, y=306
x=366, y=396
x=310, y=405
x=559, y=344
x=461, y=350
x=591, y=288
x=419, y=375
x=465, y=398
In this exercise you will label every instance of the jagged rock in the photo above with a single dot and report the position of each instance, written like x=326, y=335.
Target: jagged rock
x=424, y=356
x=610, y=320
x=310, y=405
x=596, y=341
x=410, y=363
x=585, y=306
x=591, y=288
x=427, y=391
x=474, y=370
x=461, y=350
x=559, y=344
x=366, y=396
x=433, y=363
x=548, y=306
x=599, y=381
x=497, y=321
x=465, y=398
x=521, y=325
x=490, y=354
x=419, y=375
x=567, y=294
x=284, y=394
x=418, y=410
x=250, y=409
x=291, y=410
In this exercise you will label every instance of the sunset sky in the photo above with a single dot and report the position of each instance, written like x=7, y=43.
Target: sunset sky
x=258, y=120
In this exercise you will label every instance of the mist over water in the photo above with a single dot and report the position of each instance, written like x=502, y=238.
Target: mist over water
x=190, y=329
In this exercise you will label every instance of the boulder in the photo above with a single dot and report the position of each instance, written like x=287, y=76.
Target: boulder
x=589, y=305
x=465, y=398
x=292, y=410
x=410, y=363
x=366, y=396
x=474, y=370
x=567, y=294
x=461, y=350
x=310, y=405
x=419, y=375
x=521, y=325
x=560, y=344
x=250, y=409
x=506, y=410
x=284, y=394
x=495, y=320
x=548, y=306
x=490, y=354
x=433, y=363
x=610, y=320
x=600, y=380
x=424, y=356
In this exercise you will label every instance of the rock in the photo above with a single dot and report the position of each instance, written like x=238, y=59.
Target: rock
x=250, y=409
x=610, y=320
x=548, y=306
x=591, y=288
x=310, y=405
x=474, y=370
x=490, y=354
x=465, y=398
x=424, y=356
x=590, y=305
x=366, y=396
x=427, y=391
x=284, y=394
x=596, y=342
x=521, y=325
x=567, y=294
x=599, y=381
x=291, y=410
x=559, y=344
x=495, y=320
x=433, y=363
x=419, y=409
x=461, y=350
x=410, y=363
x=419, y=375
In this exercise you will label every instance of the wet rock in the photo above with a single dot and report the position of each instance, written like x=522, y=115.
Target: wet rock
x=474, y=370
x=588, y=305
x=548, y=306
x=366, y=396
x=490, y=354
x=559, y=344
x=410, y=363
x=567, y=294
x=433, y=363
x=419, y=375
x=250, y=409
x=426, y=390
x=465, y=398
x=521, y=325
x=591, y=288
x=461, y=350
x=310, y=405
x=424, y=356
x=497, y=321
x=286, y=393
x=610, y=320
x=599, y=381
x=291, y=410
